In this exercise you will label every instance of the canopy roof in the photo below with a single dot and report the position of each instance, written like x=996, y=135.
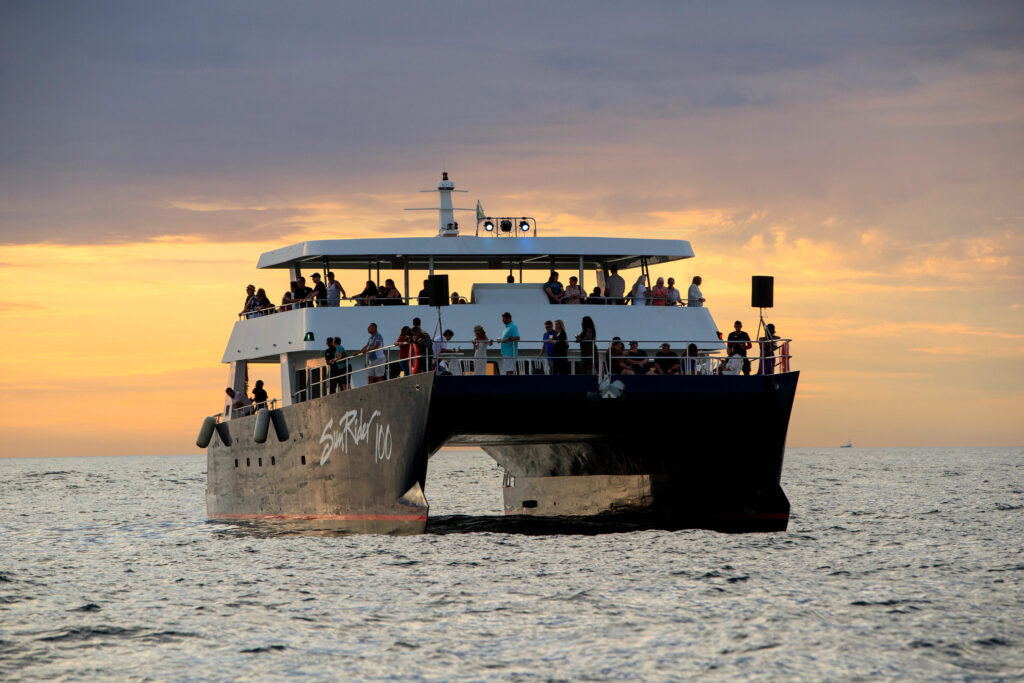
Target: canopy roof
x=476, y=253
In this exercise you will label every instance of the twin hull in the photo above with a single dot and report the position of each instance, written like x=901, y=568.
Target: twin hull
x=695, y=451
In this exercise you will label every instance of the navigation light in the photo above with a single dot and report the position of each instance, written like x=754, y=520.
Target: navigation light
x=308, y=337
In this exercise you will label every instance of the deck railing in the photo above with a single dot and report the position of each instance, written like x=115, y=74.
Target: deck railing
x=456, y=359
x=415, y=300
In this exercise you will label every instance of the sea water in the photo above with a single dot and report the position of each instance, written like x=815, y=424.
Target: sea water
x=897, y=563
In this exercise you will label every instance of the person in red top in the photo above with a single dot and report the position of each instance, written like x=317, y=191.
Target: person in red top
x=659, y=295
x=405, y=346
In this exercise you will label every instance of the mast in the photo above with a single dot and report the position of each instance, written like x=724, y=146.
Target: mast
x=446, y=225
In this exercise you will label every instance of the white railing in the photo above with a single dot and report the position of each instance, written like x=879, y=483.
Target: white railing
x=415, y=300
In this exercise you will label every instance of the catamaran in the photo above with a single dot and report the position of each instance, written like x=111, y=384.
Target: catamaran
x=689, y=447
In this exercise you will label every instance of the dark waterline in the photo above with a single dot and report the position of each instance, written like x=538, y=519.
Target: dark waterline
x=898, y=562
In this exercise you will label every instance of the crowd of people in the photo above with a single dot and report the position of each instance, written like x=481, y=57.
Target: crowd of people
x=418, y=352
x=329, y=292
x=614, y=292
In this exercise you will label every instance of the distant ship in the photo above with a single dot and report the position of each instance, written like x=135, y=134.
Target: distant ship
x=575, y=435
x=848, y=444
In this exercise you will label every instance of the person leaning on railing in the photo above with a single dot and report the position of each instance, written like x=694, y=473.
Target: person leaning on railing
x=338, y=368
x=259, y=395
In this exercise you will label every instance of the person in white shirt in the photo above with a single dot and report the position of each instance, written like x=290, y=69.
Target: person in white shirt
x=639, y=292
x=693, y=296
x=615, y=287
x=441, y=346
x=673, y=293
x=733, y=365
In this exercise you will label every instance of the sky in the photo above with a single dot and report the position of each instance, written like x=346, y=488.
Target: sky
x=868, y=155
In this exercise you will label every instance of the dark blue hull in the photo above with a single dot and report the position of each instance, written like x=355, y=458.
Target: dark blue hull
x=693, y=451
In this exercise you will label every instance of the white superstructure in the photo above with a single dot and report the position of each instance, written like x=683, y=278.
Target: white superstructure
x=296, y=337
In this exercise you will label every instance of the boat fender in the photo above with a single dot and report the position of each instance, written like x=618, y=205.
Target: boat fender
x=259, y=433
x=280, y=426
x=224, y=433
x=206, y=431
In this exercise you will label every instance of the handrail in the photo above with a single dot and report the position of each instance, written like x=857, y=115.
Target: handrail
x=415, y=300
x=459, y=359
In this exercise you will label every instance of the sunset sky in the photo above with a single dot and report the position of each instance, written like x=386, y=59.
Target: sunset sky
x=869, y=156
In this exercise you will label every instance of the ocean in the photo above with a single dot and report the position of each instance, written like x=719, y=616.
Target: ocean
x=898, y=563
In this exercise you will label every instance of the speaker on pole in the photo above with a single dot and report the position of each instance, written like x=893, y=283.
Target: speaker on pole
x=437, y=289
x=762, y=291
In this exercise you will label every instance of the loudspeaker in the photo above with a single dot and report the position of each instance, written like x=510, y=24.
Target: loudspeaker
x=762, y=293
x=437, y=289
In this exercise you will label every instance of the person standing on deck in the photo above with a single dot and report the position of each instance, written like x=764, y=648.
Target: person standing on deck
x=547, y=349
x=335, y=292
x=740, y=342
x=480, y=344
x=659, y=295
x=615, y=287
x=329, y=354
x=374, y=357
x=510, y=343
x=339, y=368
x=573, y=294
x=693, y=296
x=250, y=294
x=768, y=346
x=638, y=295
x=319, y=290
x=672, y=294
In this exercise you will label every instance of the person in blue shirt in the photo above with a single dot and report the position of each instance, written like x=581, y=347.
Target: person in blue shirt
x=547, y=350
x=553, y=288
x=509, y=344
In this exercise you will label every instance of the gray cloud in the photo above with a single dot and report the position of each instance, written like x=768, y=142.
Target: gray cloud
x=113, y=110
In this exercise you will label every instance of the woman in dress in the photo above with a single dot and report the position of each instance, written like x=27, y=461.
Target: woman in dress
x=586, y=338
x=480, y=344
x=560, y=350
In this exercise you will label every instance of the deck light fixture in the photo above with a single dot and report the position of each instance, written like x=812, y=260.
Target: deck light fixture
x=506, y=225
x=524, y=225
x=489, y=226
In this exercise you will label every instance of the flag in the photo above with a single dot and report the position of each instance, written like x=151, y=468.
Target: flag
x=480, y=215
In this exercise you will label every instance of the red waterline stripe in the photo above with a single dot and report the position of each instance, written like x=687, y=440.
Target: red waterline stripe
x=343, y=518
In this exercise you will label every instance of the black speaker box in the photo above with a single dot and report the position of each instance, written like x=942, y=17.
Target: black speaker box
x=762, y=294
x=437, y=289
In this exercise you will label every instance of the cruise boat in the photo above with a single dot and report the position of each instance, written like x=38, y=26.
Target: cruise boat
x=694, y=449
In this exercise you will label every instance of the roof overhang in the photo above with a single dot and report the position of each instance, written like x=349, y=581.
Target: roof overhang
x=476, y=253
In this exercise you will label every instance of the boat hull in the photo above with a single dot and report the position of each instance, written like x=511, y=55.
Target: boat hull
x=352, y=461
x=696, y=451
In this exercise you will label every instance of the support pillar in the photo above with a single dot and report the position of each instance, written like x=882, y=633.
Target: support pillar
x=287, y=380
